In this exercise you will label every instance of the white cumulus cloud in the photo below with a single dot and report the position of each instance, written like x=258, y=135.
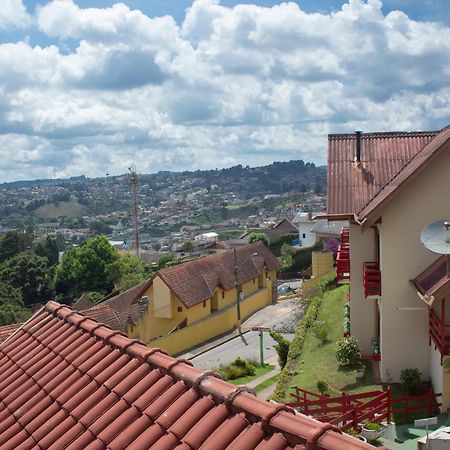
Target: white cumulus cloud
x=247, y=84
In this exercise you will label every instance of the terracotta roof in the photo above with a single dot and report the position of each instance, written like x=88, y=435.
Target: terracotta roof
x=195, y=281
x=434, y=281
x=125, y=305
x=8, y=330
x=286, y=226
x=84, y=302
x=105, y=314
x=68, y=382
x=383, y=155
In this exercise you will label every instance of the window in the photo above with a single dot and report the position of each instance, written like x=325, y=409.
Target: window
x=180, y=309
x=204, y=304
x=223, y=294
x=254, y=280
x=304, y=235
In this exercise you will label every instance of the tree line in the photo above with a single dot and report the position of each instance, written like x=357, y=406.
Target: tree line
x=30, y=273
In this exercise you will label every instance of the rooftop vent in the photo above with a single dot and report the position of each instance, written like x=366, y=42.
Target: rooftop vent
x=358, y=146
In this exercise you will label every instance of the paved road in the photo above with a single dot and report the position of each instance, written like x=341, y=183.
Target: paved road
x=246, y=347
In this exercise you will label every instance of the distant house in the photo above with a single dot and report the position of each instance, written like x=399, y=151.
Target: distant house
x=390, y=186
x=198, y=296
x=207, y=237
x=70, y=382
x=284, y=226
x=312, y=230
x=305, y=222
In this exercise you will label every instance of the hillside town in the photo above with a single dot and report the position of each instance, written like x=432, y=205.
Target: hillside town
x=224, y=225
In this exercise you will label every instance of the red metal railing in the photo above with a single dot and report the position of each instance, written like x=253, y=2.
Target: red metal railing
x=350, y=411
x=439, y=333
x=372, y=279
x=346, y=411
x=343, y=256
x=422, y=402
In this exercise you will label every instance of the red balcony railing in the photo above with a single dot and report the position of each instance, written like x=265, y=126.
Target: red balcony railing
x=439, y=333
x=343, y=256
x=372, y=279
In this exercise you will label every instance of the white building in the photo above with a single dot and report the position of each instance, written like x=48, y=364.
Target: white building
x=207, y=237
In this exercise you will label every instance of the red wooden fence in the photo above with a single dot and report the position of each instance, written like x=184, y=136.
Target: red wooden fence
x=349, y=411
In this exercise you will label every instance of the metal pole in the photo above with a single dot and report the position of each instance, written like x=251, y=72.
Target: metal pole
x=238, y=305
x=261, y=348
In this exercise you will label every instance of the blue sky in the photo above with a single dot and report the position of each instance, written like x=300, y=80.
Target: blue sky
x=88, y=85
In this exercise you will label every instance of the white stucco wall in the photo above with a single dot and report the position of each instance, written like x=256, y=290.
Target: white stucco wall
x=405, y=332
x=305, y=229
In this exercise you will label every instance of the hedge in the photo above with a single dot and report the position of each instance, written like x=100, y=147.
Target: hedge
x=296, y=346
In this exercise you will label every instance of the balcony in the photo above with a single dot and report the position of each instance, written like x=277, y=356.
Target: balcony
x=439, y=332
x=372, y=279
x=343, y=257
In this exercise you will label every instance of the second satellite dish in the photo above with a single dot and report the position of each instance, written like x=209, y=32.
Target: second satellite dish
x=436, y=237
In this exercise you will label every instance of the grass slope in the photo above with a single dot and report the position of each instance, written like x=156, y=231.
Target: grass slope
x=318, y=361
x=258, y=372
x=68, y=209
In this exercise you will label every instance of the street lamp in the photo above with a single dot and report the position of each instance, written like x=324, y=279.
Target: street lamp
x=238, y=294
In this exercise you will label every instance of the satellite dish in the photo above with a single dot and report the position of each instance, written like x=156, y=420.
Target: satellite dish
x=436, y=237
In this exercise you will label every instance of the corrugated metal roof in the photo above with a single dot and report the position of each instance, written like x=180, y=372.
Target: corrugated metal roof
x=383, y=155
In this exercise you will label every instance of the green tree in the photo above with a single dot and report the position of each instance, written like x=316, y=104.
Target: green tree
x=48, y=249
x=86, y=269
x=263, y=237
x=13, y=243
x=187, y=246
x=281, y=347
x=165, y=259
x=30, y=274
x=127, y=271
x=12, y=309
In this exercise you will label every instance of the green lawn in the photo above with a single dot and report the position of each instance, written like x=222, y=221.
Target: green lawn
x=265, y=384
x=318, y=362
x=259, y=371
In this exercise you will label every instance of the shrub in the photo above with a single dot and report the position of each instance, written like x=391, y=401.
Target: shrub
x=237, y=369
x=322, y=387
x=372, y=426
x=410, y=380
x=321, y=330
x=281, y=347
x=348, y=352
x=239, y=362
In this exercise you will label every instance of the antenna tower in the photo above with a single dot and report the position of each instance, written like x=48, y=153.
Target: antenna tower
x=134, y=182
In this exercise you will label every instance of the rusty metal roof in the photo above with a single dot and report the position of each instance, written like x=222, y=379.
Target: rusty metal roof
x=352, y=186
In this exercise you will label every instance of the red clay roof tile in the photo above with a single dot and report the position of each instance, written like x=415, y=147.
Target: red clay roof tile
x=195, y=281
x=67, y=382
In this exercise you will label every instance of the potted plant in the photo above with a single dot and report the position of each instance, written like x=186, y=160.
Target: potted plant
x=371, y=431
x=360, y=371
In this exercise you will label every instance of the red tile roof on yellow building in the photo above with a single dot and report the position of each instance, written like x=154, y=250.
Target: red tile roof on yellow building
x=67, y=381
x=195, y=281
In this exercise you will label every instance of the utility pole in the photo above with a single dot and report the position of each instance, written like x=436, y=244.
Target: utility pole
x=134, y=181
x=238, y=299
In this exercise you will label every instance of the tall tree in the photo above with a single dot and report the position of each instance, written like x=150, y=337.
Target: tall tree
x=13, y=243
x=86, y=269
x=12, y=309
x=48, y=249
x=31, y=275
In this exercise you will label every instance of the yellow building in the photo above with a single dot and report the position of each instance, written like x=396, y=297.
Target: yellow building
x=185, y=305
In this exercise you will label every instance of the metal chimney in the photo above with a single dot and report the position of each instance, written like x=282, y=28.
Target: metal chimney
x=358, y=146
